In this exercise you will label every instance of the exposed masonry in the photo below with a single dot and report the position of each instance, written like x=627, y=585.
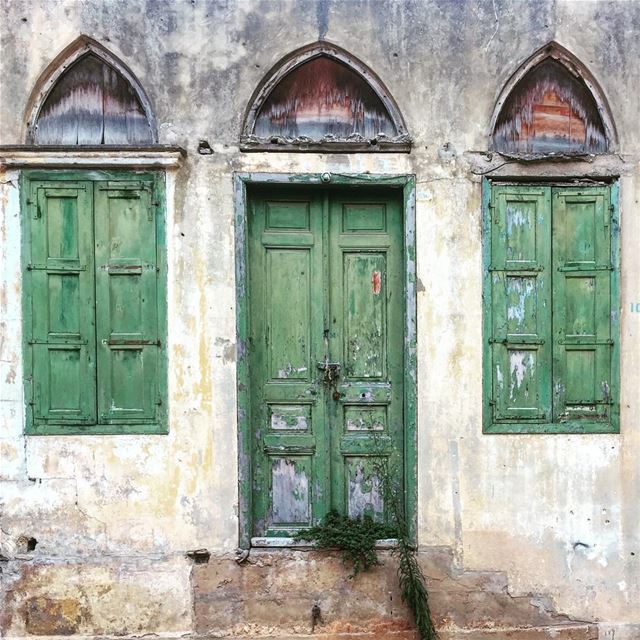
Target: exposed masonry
x=232, y=600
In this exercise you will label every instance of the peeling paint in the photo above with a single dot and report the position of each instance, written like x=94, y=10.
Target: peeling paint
x=521, y=366
x=290, y=492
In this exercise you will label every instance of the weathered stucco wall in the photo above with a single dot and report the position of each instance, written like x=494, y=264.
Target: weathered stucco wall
x=114, y=515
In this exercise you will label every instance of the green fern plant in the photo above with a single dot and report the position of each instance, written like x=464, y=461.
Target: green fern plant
x=413, y=586
x=356, y=538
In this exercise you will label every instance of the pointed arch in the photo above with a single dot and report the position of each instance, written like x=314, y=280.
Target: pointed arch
x=322, y=97
x=552, y=104
x=88, y=96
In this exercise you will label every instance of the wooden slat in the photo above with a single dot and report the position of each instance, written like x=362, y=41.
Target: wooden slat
x=92, y=104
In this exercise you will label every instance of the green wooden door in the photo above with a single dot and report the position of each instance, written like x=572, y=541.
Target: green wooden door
x=326, y=303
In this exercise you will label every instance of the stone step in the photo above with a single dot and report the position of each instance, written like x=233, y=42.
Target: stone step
x=573, y=631
x=274, y=595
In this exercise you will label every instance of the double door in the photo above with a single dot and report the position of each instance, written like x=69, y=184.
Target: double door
x=326, y=310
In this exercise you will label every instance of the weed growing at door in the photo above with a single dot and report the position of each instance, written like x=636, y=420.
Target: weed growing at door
x=356, y=538
x=413, y=588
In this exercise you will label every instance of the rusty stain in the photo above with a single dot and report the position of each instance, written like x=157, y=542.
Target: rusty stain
x=376, y=282
x=550, y=111
x=323, y=97
x=48, y=616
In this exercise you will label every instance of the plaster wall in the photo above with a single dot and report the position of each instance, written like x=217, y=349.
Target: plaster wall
x=559, y=513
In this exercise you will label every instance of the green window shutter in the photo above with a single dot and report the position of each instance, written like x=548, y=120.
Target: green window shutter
x=582, y=304
x=60, y=289
x=519, y=345
x=128, y=345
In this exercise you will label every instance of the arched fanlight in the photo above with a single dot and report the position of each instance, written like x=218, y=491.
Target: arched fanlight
x=89, y=97
x=552, y=105
x=322, y=96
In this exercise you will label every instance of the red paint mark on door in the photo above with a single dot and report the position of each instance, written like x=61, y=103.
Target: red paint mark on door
x=376, y=282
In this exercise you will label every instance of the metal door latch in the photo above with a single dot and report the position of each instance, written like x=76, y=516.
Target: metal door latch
x=331, y=373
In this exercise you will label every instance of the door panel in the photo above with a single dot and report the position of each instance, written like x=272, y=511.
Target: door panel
x=285, y=336
x=366, y=313
x=325, y=286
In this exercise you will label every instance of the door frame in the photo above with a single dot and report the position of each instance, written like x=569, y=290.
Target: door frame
x=406, y=184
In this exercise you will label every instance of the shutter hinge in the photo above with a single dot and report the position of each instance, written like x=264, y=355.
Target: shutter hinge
x=115, y=342
x=518, y=272
x=159, y=401
x=521, y=342
x=578, y=342
x=607, y=220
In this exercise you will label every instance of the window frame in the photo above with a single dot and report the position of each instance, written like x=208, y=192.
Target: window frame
x=549, y=427
x=158, y=426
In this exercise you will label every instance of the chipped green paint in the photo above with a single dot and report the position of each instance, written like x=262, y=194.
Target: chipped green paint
x=94, y=302
x=295, y=431
x=551, y=306
x=325, y=268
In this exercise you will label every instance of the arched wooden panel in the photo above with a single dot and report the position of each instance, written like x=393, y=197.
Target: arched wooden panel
x=323, y=97
x=550, y=110
x=92, y=103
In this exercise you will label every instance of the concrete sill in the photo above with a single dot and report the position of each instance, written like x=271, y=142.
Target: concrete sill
x=58, y=156
x=290, y=543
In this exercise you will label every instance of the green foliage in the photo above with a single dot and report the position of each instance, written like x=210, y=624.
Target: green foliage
x=413, y=588
x=355, y=537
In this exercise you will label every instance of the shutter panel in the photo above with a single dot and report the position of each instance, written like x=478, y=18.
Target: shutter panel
x=127, y=302
x=582, y=305
x=62, y=303
x=520, y=304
